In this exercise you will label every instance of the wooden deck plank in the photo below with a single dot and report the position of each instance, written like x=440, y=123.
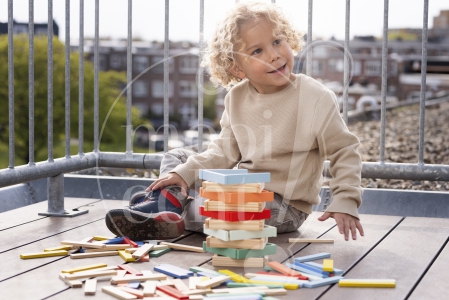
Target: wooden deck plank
x=29, y=213
x=403, y=256
x=434, y=285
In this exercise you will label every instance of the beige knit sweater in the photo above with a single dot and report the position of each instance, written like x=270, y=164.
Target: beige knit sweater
x=289, y=134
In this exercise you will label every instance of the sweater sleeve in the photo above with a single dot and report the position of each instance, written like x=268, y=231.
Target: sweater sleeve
x=338, y=145
x=222, y=153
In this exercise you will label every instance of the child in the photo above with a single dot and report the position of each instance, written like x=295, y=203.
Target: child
x=274, y=121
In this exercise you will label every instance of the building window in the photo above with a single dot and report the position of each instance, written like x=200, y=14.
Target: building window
x=393, y=68
x=116, y=61
x=373, y=68
x=336, y=65
x=317, y=67
x=157, y=109
x=140, y=63
x=140, y=88
x=188, y=64
x=157, y=89
x=158, y=62
x=102, y=61
x=356, y=68
x=187, y=88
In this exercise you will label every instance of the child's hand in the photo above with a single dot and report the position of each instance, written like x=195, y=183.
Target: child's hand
x=169, y=179
x=345, y=223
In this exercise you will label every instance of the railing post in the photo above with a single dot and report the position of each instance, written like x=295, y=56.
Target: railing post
x=55, y=194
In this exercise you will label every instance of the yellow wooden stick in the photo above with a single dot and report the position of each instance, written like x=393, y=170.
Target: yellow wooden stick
x=84, y=268
x=369, y=283
x=44, y=254
x=328, y=265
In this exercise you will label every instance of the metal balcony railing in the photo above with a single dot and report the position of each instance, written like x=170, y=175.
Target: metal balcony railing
x=54, y=168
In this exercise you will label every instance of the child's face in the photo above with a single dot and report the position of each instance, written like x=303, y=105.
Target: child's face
x=266, y=60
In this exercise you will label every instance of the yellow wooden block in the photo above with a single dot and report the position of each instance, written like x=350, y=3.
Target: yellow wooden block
x=328, y=265
x=126, y=256
x=369, y=283
x=101, y=238
x=66, y=248
x=44, y=254
x=234, y=276
x=84, y=268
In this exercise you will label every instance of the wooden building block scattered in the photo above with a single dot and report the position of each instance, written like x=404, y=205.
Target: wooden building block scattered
x=71, y=283
x=84, y=268
x=101, y=238
x=213, y=282
x=180, y=285
x=312, y=257
x=173, y=271
x=90, y=286
x=233, y=176
x=245, y=225
x=242, y=253
x=66, y=248
x=201, y=269
x=90, y=274
x=273, y=275
x=129, y=269
x=44, y=254
x=287, y=286
x=157, y=253
x=239, y=289
x=126, y=256
x=222, y=261
x=210, y=205
x=283, y=280
x=247, y=284
x=84, y=245
x=282, y=269
x=320, y=267
x=195, y=291
x=235, y=235
x=307, y=271
x=328, y=265
x=130, y=242
x=255, y=244
x=183, y=247
x=210, y=186
x=117, y=293
x=369, y=283
x=134, y=278
x=142, y=251
x=234, y=216
x=238, y=198
x=234, y=276
x=325, y=281
x=93, y=254
x=135, y=292
x=172, y=292
x=324, y=241
x=149, y=288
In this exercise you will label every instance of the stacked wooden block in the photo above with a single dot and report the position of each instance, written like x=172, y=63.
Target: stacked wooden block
x=236, y=226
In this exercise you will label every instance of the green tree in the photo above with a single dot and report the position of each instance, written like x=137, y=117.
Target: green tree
x=111, y=102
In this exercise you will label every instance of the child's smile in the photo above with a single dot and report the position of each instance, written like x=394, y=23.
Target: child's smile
x=265, y=59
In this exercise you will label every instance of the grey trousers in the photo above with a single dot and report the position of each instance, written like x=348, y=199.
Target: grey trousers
x=284, y=217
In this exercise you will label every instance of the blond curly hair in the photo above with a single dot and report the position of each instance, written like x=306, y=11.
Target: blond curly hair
x=219, y=55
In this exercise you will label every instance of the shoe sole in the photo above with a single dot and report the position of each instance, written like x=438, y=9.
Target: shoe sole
x=140, y=226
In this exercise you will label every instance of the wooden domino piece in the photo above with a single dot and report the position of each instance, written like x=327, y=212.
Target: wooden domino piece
x=126, y=256
x=134, y=278
x=90, y=286
x=90, y=274
x=44, y=254
x=172, y=292
x=316, y=241
x=93, y=254
x=129, y=269
x=135, y=292
x=312, y=257
x=213, y=282
x=369, y=283
x=238, y=198
x=282, y=269
x=255, y=225
x=157, y=253
x=223, y=261
x=180, y=285
x=117, y=293
x=328, y=265
x=142, y=251
x=183, y=247
x=71, y=283
x=234, y=216
x=149, y=288
x=210, y=205
x=83, y=244
x=235, y=235
x=84, y=268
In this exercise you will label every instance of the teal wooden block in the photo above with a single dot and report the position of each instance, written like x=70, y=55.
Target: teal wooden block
x=236, y=235
x=238, y=176
x=157, y=253
x=242, y=253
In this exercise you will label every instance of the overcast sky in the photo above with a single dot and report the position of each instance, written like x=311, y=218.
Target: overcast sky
x=148, y=16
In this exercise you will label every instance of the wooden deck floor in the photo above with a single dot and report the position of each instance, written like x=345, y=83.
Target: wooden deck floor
x=413, y=251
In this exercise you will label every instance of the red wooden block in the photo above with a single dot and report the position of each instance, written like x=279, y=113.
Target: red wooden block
x=172, y=292
x=238, y=198
x=127, y=240
x=299, y=277
x=235, y=216
x=130, y=269
x=145, y=258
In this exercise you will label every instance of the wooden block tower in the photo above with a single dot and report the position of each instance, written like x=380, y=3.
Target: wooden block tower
x=236, y=226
